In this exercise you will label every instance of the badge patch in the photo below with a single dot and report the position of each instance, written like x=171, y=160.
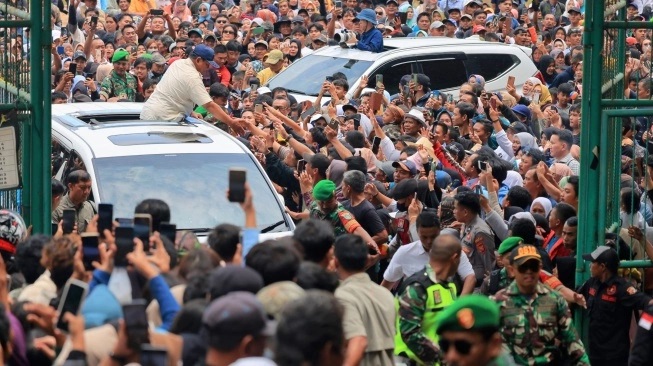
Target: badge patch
x=437, y=298
x=631, y=290
x=612, y=290
x=465, y=318
x=480, y=245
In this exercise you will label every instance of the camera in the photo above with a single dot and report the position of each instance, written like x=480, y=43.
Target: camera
x=342, y=37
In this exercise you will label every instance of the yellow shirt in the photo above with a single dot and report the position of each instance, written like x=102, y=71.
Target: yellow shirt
x=266, y=74
x=141, y=6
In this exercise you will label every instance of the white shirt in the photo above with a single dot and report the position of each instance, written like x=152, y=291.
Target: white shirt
x=180, y=89
x=412, y=257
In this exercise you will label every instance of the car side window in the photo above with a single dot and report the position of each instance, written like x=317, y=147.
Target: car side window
x=445, y=73
x=392, y=73
x=490, y=66
x=59, y=156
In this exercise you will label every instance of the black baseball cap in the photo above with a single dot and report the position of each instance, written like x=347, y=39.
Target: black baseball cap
x=234, y=316
x=602, y=254
x=225, y=280
x=405, y=188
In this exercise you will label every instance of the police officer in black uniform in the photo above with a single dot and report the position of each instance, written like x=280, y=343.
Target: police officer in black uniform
x=610, y=303
x=642, y=352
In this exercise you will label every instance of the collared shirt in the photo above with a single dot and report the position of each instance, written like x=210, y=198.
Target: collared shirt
x=610, y=307
x=266, y=74
x=371, y=40
x=369, y=312
x=83, y=213
x=118, y=86
x=538, y=329
x=179, y=90
x=412, y=257
x=572, y=163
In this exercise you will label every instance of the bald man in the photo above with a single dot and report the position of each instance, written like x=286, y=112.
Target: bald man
x=421, y=297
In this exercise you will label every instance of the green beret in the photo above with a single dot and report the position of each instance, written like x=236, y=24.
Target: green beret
x=120, y=55
x=509, y=243
x=471, y=312
x=324, y=190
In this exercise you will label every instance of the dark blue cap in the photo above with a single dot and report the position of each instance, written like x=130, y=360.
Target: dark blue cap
x=206, y=53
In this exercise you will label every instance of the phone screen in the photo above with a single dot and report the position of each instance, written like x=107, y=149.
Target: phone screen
x=493, y=104
x=406, y=91
x=237, y=178
x=90, y=250
x=334, y=125
x=253, y=87
x=124, y=245
x=478, y=189
x=168, y=230
x=71, y=302
x=536, y=98
x=375, y=144
x=54, y=228
x=153, y=356
x=301, y=166
x=136, y=323
x=60, y=50
x=72, y=68
x=143, y=229
x=482, y=165
x=105, y=217
x=68, y=221
x=124, y=221
x=357, y=123
x=511, y=81
x=379, y=80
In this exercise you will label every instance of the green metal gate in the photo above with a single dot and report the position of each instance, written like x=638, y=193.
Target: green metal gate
x=25, y=69
x=605, y=106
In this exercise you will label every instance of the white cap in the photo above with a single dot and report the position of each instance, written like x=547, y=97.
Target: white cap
x=418, y=115
x=263, y=90
x=315, y=117
x=258, y=21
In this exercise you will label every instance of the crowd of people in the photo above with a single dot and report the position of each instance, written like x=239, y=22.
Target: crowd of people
x=429, y=230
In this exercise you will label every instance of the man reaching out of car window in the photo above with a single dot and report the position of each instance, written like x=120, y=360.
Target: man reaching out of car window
x=371, y=38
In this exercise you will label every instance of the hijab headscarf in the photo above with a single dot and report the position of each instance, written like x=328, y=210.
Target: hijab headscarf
x=410, y=22
x=479, y=80
x=545, y=95
x=201, y=18
x=527, y=141
x=299, y=52
x=543, y=65
x=545, y=203
x=535, y=81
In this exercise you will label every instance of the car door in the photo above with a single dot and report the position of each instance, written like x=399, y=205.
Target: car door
x=445, y=70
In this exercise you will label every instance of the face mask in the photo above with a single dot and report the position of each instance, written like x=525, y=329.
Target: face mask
x=401, y=207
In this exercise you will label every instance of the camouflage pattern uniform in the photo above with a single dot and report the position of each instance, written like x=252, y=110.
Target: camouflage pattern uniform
x=539, y=331
x=413, y=313
x=343, y=221
x=117, y=86
x=501, y=276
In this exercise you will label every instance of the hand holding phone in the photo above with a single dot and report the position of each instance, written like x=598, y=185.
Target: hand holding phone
x=376, y=143
x=105, y=217
x=136, y=324
x=511, y=81
x=71, y=301
x=143, y=229
x=90, y=250
x=72, y=68
x=124, y=245
x=68, y=221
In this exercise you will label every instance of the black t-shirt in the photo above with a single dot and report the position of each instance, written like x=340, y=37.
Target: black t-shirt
x=366, y=215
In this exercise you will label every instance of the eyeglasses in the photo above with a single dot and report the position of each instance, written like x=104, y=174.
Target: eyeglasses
x=202, y=10
x=532, y=266
x=462, y=347
x=379, y=13
x=228, y=32
x=221, y=22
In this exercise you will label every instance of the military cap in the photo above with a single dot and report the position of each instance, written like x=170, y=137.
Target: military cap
x=509, y=243
x=324, y=190
x=472, y=312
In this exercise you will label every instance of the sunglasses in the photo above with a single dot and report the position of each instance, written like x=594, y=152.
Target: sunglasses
x=221, y=22
x=462, y=347
x=202, y=10
x=379, y=13
x=532, y=266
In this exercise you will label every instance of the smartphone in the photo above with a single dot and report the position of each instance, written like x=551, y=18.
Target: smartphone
x=329, y=79
x=143, y=229
x=253, y=87
x=482, y=165
x=376, y=143
x=415, y=79
x=105, y=217
x=536, y=98
x=511, y=81
x=124, y=221
x=136, y=323
x=493, y=103
x=333, y=124
x=307, y=113
x=427, y=167
x=68, y=221
x=94, y=20
x=60, y=50
x=406, y=91
x=54, y=228
x=258, y=108
x=357, y=123
x=237, y=178
x=90, y=251
x=72, y=68
x=124, y=245
x=153, y=356
x=449, y=98
x=71, y=301
x=478, y=189
x=301, y=166
x=169, y=231
x=156, y=11
x=338, y=4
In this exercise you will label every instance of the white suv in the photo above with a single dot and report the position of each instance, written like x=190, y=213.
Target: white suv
x=184, y=164
x=448, y=62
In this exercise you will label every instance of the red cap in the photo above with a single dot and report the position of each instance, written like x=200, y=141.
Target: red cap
x=172, y=59
x=478, y=28
x=631, y=41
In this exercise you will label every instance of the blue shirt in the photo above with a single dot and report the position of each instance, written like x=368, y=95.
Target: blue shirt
x=371, y=40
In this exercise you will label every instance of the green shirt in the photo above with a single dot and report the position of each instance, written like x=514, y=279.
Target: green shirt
x=115, y=85
x=538, y=330
x=343, y=221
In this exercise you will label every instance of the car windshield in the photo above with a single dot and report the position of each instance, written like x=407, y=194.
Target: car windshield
x=193, y=185
x=318, y=67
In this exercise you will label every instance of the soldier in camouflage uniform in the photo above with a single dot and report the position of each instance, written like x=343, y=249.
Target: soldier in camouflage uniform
x=420, y=298
x=469, y=333
x=119, y=84
x=536, y=323
x=326, y=207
